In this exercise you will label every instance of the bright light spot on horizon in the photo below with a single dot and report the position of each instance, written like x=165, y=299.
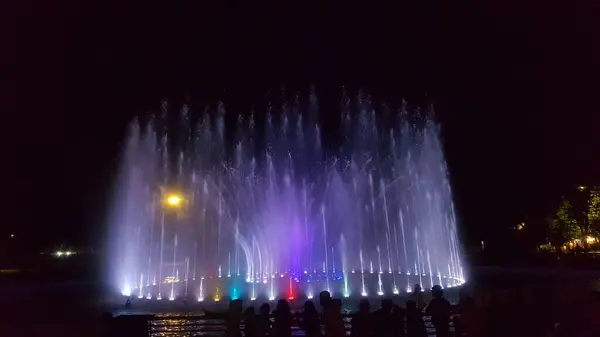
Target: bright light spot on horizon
x=200, y=299
x=272, y=298
x=364, y=293
x=61, y=253
x=396, y=291
x=590, y=239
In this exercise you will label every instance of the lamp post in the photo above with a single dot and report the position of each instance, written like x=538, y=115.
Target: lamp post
x=172, y=203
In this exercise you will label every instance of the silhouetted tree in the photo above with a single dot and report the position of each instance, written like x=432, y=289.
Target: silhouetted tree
x=593, y=210
x=563, y=226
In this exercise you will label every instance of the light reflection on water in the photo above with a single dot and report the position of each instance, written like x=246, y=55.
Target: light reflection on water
x=214, y=327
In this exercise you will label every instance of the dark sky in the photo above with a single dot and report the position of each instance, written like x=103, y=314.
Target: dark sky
x=514, y=84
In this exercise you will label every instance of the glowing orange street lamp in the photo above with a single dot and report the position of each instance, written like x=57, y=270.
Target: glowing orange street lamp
x=174, y=200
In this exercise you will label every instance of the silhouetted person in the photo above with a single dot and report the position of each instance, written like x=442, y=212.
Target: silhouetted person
x=362, y=322
x=439, y=310
x=282, y=326
x=128, y=304
x=234, y=317
x=415, y=327
x=332, y=317
x=398, y=320
x=383, y=320
x=417, y=296
x=250, y=323
x=263, y=320
x=310, y=320
x=324, y=300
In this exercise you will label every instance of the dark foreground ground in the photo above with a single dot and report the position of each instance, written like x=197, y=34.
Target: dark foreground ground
x=42, y=304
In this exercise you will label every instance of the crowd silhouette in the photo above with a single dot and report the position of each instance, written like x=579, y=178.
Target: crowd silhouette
x=492, y=311
x=389, y=320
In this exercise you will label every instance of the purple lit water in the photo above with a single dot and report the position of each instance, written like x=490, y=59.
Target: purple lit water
x=288, y=219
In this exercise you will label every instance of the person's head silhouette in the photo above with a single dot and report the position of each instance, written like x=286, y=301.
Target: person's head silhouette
x=265, y=309
x=324, y=298
x=283, y=306
x=387, y=304
x=309, y=307
x=437, y=291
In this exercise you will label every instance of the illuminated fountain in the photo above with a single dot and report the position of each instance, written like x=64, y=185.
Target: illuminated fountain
x=285, y=219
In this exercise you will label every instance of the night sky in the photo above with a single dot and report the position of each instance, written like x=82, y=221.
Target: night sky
x=514, y=86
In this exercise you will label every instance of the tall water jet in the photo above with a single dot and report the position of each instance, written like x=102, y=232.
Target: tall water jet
x=287, y=215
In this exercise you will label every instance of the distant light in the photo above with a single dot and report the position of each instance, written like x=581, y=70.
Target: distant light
x=581, y=188
x=200, y=299
x=171, y=298
x=272, y=298
x=140, y=296
x=216, y=299
x=590, y=239
x=364, y=294
x=380, y=293
x=396, y=291
x=159, y=297
x=346, y=295
x=12, y=236
x=253, y=299
x=291, y=298
x=60, y=253
x=149, y=297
